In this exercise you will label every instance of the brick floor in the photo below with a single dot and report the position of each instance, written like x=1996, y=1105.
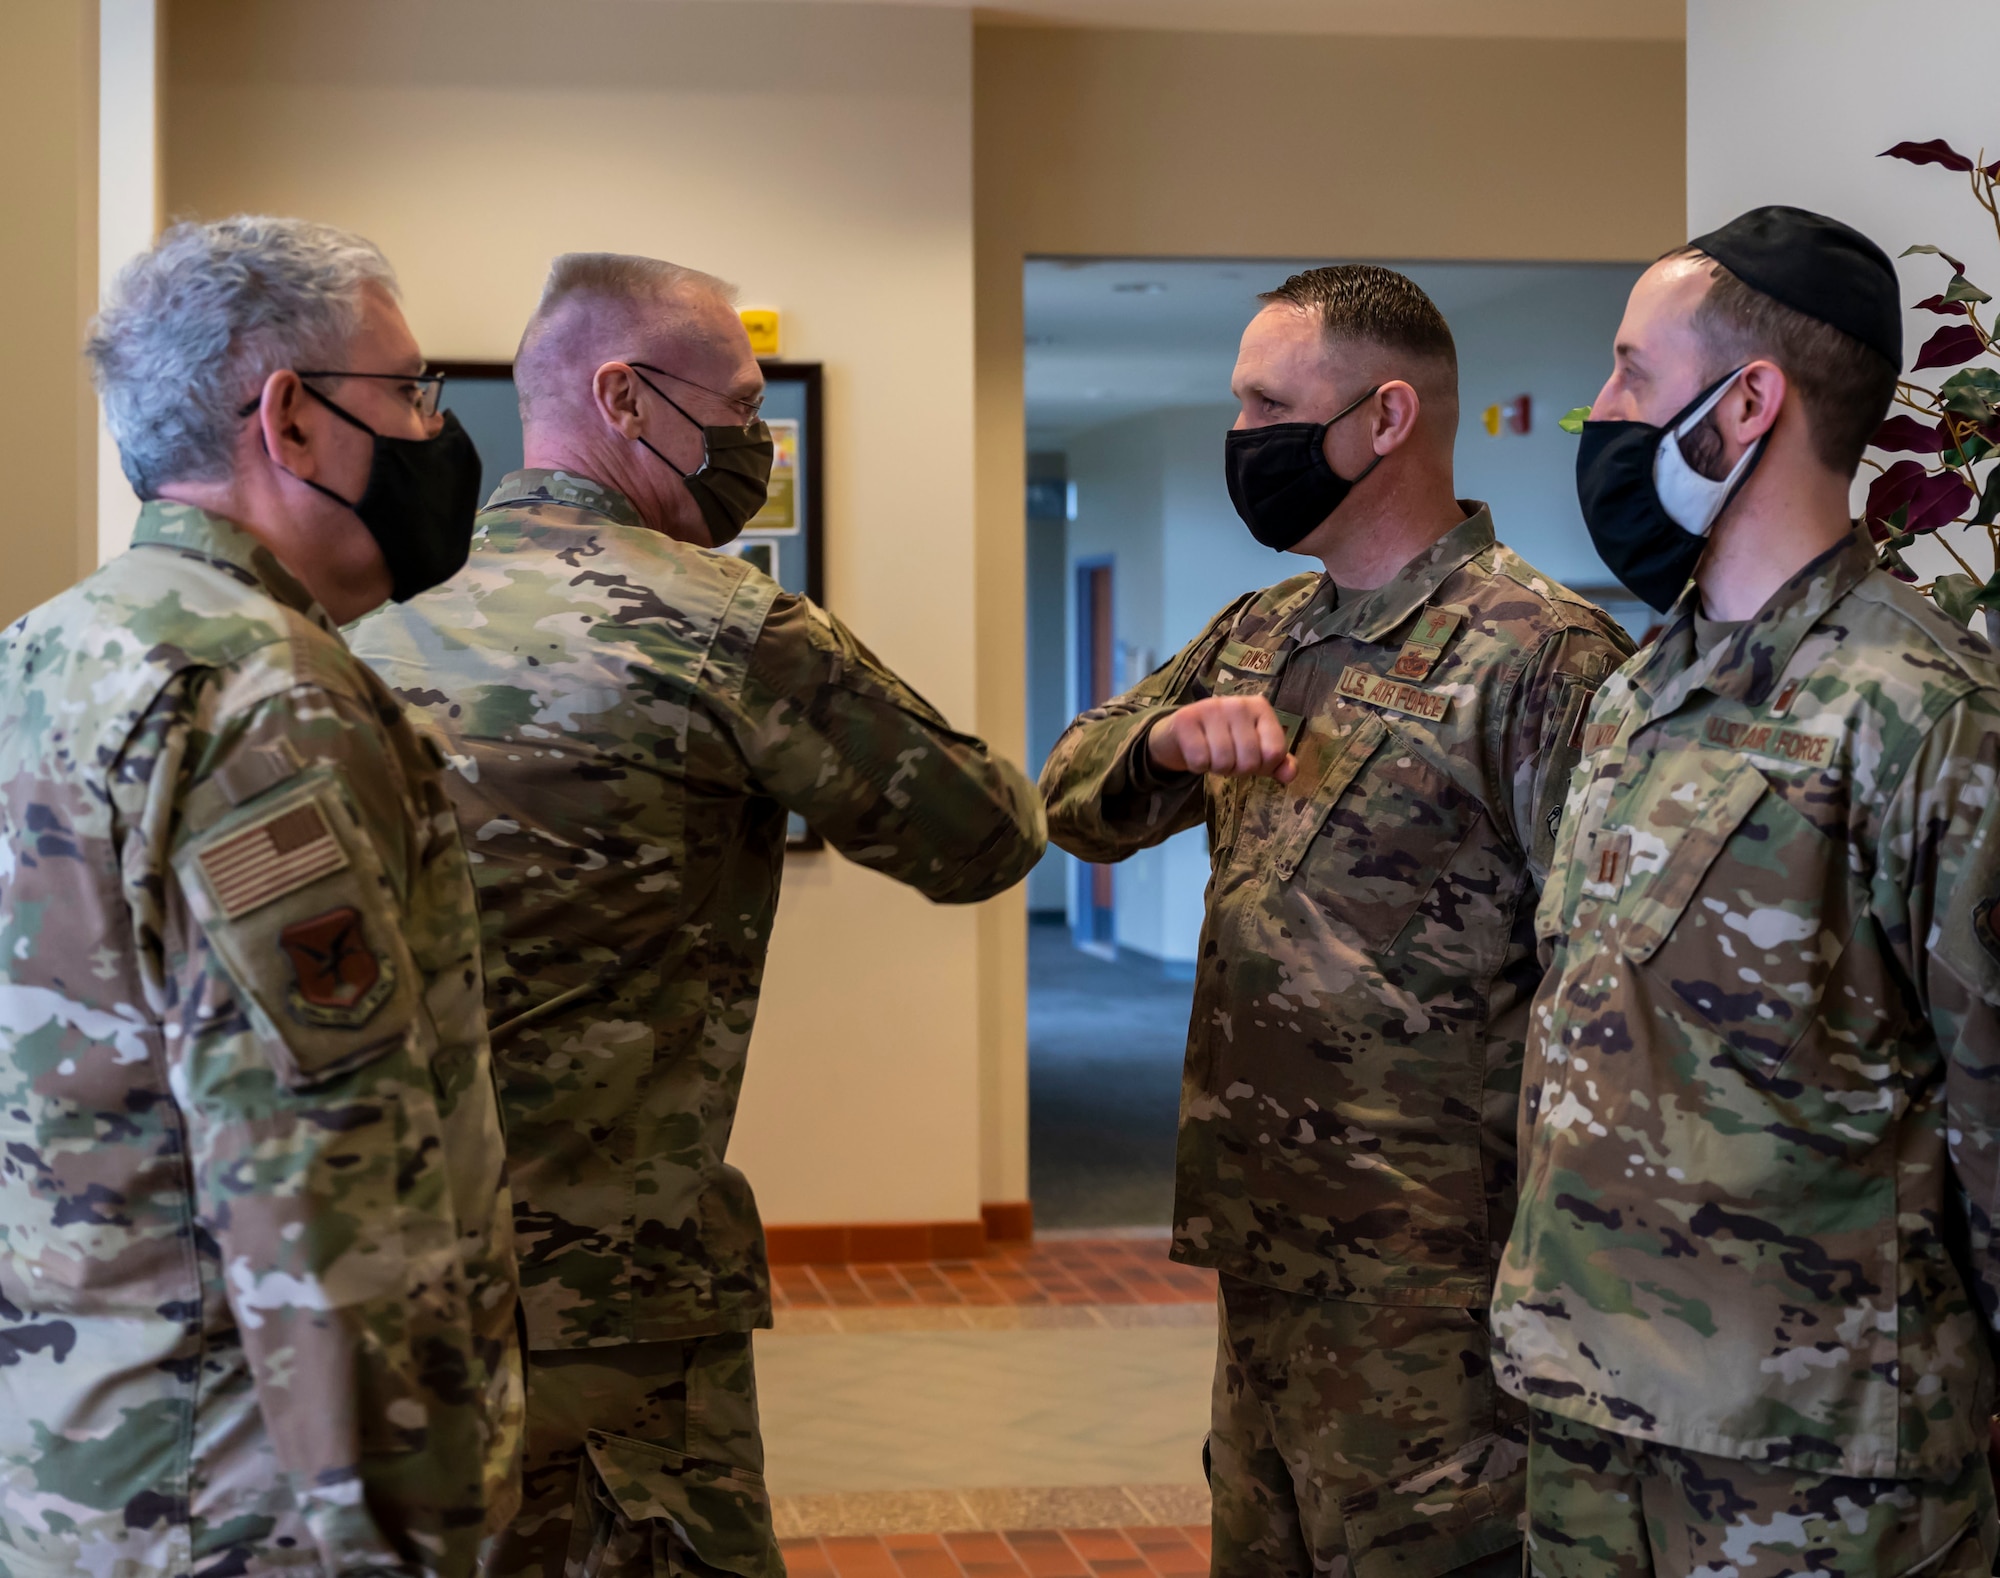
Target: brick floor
x=1059, y=1271
x=1019, y=1553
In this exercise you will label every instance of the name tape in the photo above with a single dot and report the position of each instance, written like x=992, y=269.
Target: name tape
x=1768, y=739
x=1385, y=690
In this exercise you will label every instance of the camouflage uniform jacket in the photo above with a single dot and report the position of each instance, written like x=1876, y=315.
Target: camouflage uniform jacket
x=1347, y=1111
x=631, y=720
x=257, y=1291
x=1768, y=1025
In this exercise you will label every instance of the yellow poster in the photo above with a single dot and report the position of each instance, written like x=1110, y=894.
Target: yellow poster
x=781, y=505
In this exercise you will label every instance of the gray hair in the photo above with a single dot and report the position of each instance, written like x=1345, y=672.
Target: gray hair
x=194, y=326
x=623, y=288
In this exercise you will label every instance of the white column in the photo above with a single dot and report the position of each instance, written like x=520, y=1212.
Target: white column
x=128, y=201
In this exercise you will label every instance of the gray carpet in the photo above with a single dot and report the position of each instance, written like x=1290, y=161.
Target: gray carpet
x=1105, y=1043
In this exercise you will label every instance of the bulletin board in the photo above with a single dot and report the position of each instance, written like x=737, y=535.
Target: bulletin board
x=785, y=539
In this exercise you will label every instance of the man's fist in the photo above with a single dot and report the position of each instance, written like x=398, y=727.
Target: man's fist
x=1231, y=736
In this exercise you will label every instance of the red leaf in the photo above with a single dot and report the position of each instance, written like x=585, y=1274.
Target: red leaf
x=1937, y=501
x=1936, y=151
x=1958, y=342
x=1908, y=434
x=1947, y=309
x=1891, y=491
x=1991, y=171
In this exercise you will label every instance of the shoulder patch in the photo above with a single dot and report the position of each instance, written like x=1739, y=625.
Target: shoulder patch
x=296, y=907
x=276, y=855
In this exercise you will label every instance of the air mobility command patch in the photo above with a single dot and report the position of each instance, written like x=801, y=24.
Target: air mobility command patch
x=337, y=980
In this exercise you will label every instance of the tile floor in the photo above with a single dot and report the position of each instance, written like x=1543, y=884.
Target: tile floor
x=1016, y=1553
x=959, y=1416
x=962, y=1410
x=1051, y=1271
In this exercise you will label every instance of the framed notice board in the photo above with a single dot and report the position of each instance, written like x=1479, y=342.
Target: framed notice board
x=785, y=539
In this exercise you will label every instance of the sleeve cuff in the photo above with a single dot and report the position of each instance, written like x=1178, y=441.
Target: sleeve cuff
x=1142, y=775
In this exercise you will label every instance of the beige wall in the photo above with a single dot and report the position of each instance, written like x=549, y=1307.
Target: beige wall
x=819, y=156
x=1128, y=143
x=48, y=265
x=860, y=166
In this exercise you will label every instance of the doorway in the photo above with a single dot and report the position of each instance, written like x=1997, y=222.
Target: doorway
x=1133, y=547
x=1096, y=907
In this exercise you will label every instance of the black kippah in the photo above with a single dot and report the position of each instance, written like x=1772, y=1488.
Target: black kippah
x=1817, y=266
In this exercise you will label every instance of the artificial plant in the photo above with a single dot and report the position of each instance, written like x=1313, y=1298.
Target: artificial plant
x=1954, y=435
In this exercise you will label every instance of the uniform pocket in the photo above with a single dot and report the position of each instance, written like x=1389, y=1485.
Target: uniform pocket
x=645, y=1508
x=1441, y=1519
x=1382, y=826
x=1742, y=913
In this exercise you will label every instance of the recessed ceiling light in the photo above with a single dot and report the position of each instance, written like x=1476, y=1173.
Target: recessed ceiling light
x=1140, y=287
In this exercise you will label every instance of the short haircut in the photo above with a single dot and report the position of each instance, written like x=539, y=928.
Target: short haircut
x=1844, y=387
x=1378, y=306
x=619, y=283
x=195, y=325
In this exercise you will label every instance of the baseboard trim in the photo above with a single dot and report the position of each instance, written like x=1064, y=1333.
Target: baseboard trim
x=1009, y=1221
x=847, y=1243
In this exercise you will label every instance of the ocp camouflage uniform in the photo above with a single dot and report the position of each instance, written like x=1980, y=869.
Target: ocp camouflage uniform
x=632, y=719
x=1744, y=1279
x=1347, y=1111
x=257, y=1293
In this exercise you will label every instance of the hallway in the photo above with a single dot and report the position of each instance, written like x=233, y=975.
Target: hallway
x=1105, y=1042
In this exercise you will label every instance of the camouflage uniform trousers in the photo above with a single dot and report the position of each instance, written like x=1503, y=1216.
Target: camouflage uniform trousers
x=1360, y=1441
x=642, y=1460
x=1602, y=1505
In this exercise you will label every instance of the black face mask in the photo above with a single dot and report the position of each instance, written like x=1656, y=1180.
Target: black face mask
x=421, y=497
x=734, y=477
x=1279, y=480
x=1648, y=510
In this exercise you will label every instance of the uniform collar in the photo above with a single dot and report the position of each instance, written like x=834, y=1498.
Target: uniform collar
x=1746, y=666
x=226, y=545
x=1372, y=615
x=535, y=485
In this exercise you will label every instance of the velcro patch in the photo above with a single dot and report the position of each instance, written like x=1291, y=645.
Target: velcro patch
x=1384, y=690
x=1426, y=643
x=1982, y=927
x=1251, y=660
x=1767, y=739
x=1598, y=735
x=271, y=858
x=337, y=979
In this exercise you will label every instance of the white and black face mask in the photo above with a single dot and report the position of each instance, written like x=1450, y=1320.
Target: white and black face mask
x=1648, y=510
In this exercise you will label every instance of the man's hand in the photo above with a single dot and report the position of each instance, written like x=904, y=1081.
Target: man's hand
x=1231, y=736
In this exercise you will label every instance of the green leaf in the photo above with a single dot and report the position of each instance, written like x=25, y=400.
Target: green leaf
x=1956, y=266
x=1989, y=505
x=1962, y=289
x=1972, y=392
x=1572, y=420
x=1989, y=594
x=1956, y=595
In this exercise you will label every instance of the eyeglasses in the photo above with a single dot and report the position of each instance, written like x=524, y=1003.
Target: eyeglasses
x=424, y=391
x=751, y=409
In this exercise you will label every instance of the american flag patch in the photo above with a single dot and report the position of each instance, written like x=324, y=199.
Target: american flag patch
x=276, y=856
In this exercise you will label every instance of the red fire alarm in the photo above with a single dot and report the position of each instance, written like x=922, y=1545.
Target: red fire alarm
x=1520, y=414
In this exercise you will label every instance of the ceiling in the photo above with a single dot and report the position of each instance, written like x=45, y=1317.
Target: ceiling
x=1573, y=19
x=1108, y=339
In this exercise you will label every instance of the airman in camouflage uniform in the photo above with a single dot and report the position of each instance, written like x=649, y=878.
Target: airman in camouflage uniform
x=257, y=1292
x=1347, y=1111
x=632, y=717
x=1760, y=1121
